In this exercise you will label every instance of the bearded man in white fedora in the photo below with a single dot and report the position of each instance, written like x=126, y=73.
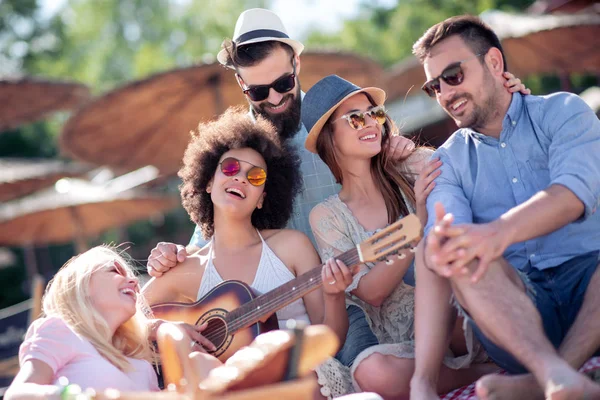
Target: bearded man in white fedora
x=266, y=63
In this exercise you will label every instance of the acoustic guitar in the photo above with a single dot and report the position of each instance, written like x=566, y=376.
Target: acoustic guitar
x=236, y=314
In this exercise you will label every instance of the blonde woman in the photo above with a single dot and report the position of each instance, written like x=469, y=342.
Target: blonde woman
x=94, y=332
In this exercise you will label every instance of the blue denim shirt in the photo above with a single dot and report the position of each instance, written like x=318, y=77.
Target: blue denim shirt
x=318, y=184
x=544, y=141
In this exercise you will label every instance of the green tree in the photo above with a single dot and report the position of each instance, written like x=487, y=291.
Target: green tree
x=387, y=34
x=104, y=44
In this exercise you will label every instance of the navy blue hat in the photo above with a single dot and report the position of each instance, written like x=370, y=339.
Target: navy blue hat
x=324, y=98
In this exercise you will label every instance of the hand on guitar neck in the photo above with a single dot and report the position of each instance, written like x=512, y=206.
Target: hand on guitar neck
x=234, y=311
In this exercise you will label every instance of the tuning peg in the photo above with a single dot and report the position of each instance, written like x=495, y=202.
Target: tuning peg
x=388, y=261
x=413, y=249
x=401, y=255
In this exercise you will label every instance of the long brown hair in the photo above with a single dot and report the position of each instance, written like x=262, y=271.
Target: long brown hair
x=388, y=179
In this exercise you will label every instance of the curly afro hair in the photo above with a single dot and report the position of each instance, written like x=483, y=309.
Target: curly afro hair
x=236, y=130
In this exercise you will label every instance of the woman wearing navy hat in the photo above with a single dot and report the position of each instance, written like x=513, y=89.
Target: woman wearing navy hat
x=350, y=130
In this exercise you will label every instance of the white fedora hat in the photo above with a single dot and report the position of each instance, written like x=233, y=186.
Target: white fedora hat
x=260, y=25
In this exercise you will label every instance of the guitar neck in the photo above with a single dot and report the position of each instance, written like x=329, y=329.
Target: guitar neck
x=268, y=303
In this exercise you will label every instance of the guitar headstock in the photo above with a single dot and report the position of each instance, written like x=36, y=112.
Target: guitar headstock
x=391, y=239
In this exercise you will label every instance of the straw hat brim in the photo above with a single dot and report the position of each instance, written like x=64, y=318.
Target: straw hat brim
x=294, y=44
x=310, y=144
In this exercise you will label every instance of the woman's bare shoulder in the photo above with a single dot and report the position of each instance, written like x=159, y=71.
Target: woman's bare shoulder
x=285, y=237
x=291, y=246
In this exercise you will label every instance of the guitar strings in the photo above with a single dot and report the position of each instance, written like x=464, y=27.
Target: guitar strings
x=279, y=293
x=240, y=322
x=250, y=316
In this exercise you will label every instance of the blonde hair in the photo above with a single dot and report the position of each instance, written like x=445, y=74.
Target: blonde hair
x=67, y=297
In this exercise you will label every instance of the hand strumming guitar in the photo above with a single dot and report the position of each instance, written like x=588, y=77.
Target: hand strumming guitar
x=336, y=277
x=199, y=342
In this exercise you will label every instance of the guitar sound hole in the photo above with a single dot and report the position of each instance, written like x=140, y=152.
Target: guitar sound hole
x=216, y=332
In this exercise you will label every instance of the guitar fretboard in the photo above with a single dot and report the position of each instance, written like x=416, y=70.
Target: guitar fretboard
x=268, y=303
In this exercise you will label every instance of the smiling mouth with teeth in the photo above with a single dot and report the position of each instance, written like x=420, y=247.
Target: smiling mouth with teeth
x=458, y=104
x=279, y=107
x=128, y=292
x=367, y=137
x=236, y=192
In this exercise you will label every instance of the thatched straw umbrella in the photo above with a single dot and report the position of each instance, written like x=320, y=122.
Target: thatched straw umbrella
x=30, y=99
x=75, y=211
x=22, y=176
x=148, y=121
x=548, y=44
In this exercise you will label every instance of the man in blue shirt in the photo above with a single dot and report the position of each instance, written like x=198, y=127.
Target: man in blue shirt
x=513, y=235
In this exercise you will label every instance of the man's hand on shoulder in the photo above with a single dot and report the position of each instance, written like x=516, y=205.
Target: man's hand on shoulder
x=164, y=257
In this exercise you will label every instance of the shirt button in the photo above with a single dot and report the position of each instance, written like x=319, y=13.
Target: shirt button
x=515, y=180
x=532, y=255
x=514, y=123
x=503, y=145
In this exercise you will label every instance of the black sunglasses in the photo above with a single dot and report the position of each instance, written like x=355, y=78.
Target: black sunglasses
x=281, y=85
x=453, y=75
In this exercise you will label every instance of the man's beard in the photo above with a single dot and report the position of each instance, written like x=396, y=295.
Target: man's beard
x=287, y=122
x=482, y=114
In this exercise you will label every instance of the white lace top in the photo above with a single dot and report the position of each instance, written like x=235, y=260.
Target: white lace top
x=271, y=273
x=337, y=231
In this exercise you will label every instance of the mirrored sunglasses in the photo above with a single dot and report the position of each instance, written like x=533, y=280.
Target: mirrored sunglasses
x=357, y=121
x=256, y=176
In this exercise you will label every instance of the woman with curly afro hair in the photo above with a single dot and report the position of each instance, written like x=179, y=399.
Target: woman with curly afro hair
x=239, y=184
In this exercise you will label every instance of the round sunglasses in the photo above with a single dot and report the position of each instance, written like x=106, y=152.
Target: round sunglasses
x=256, y=176
x=281, y=85
x=453, y=75
x=356, y=119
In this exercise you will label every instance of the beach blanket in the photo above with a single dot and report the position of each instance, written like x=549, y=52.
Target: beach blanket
x=468, y=392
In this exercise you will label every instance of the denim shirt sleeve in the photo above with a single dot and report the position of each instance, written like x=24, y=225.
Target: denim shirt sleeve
x=197, y=239
x=574, y=152
x=448, y=191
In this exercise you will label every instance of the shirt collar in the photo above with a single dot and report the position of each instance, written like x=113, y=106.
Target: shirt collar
x=515, y=109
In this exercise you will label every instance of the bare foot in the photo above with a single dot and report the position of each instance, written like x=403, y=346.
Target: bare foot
x=422, y=390
x=503, y=387
x=568, y=384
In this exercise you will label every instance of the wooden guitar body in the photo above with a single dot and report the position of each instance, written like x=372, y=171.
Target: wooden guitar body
x=214, y=308
x=236, y=314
